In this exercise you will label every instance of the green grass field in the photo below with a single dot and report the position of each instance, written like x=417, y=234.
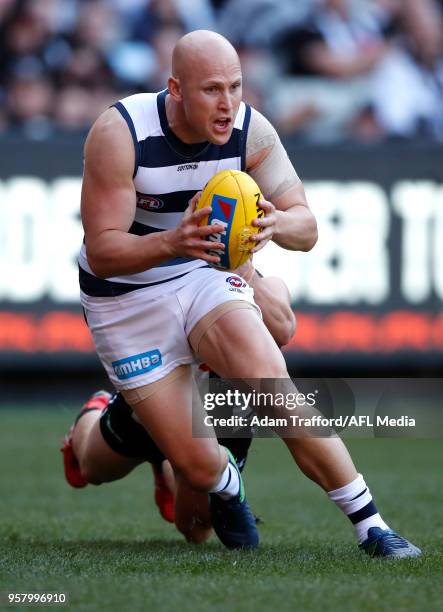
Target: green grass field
x=109, y=549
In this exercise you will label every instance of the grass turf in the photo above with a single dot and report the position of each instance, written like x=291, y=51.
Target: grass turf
x=109, y=549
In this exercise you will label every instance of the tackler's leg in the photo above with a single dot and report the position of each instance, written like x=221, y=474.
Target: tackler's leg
x=165, y=409
x=87, y=457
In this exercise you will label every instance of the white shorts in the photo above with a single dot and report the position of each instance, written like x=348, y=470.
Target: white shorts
x=142, y=335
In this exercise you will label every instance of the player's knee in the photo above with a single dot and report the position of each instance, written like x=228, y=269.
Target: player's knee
x=90, y=472
x=201, y=473
x=201, y=478
x=92, y=477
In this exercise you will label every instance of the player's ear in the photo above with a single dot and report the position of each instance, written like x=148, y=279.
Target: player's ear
x=175, y=89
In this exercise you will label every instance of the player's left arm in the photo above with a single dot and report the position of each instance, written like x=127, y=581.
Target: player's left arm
x=288, y=220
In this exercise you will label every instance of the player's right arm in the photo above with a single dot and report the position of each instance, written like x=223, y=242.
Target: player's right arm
x=108, y=208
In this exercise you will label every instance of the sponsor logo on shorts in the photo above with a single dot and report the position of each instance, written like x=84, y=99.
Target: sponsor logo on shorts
x=237, y=284
x=137, y=364
x=148, y=202
x=187, y=167
x=236, y=281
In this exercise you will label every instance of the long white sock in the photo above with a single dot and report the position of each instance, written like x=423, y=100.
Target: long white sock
x=355, y=500
x=229, y=484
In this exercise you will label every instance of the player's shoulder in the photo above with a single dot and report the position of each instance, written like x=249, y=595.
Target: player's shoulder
x=112, y=124
x=142, y=114
x=109, y=146
x=109, y=129
x=261, y=140
x=260, y=123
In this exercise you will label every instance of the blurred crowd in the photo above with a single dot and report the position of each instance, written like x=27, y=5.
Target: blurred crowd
x=322, y=70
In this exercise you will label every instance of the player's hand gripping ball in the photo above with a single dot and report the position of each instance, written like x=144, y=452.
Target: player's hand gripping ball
x=233, y=197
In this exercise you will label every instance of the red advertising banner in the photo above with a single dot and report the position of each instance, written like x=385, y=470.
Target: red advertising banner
x=372, y=287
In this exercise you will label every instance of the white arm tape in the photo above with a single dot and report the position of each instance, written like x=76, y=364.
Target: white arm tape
x=275, y=174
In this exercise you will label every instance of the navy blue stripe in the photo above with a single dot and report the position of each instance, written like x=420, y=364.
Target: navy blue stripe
x=160, y=151
x=180, y=148
x=139, y=229
x=360, y=494
x=156, y=151
x=244, y=134
x=364, y=513
x=127, y=117
x=99, y=287
x=175, y=201
x=227, y=484
x=161, y=109
x=176, y=261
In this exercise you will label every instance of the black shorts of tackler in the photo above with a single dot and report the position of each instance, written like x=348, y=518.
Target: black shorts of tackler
x=129, y=438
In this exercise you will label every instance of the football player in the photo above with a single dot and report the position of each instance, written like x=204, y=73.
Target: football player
x=153, y=303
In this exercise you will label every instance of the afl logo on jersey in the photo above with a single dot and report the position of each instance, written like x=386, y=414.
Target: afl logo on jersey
x=147, y=202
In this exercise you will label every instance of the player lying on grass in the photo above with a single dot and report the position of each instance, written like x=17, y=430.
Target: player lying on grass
x=107, y=442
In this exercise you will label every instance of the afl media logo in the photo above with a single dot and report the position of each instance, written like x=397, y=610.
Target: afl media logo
x=148, y=202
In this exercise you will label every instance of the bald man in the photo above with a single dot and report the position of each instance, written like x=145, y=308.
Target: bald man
x=154, y=303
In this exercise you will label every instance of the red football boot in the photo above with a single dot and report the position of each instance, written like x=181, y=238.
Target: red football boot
x=97, y=401
x=163, y=495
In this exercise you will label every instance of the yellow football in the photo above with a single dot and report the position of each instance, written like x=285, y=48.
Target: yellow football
x=233, y=197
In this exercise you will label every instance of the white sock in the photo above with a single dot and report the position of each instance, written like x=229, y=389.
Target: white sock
x=355, y=500
x=229, y=484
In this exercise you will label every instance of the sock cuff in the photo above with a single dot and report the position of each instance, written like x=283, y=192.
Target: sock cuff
x=224, y=481
x=349, y=491
x=229, y=484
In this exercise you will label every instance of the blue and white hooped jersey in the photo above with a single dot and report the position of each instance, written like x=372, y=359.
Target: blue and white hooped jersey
x=167, y=175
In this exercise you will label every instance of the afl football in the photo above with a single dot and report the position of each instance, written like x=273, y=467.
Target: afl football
x=233, y=197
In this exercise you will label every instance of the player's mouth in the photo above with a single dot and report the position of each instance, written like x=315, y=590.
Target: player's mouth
x=221, y=126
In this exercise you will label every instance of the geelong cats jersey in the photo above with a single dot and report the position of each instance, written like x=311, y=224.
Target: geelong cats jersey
x=167, y=175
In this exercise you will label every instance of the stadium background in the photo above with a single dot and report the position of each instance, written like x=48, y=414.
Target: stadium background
x=357, y=96
x=368, y=297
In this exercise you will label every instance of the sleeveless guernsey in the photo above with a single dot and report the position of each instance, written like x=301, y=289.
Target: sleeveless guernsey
x=167, y=175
